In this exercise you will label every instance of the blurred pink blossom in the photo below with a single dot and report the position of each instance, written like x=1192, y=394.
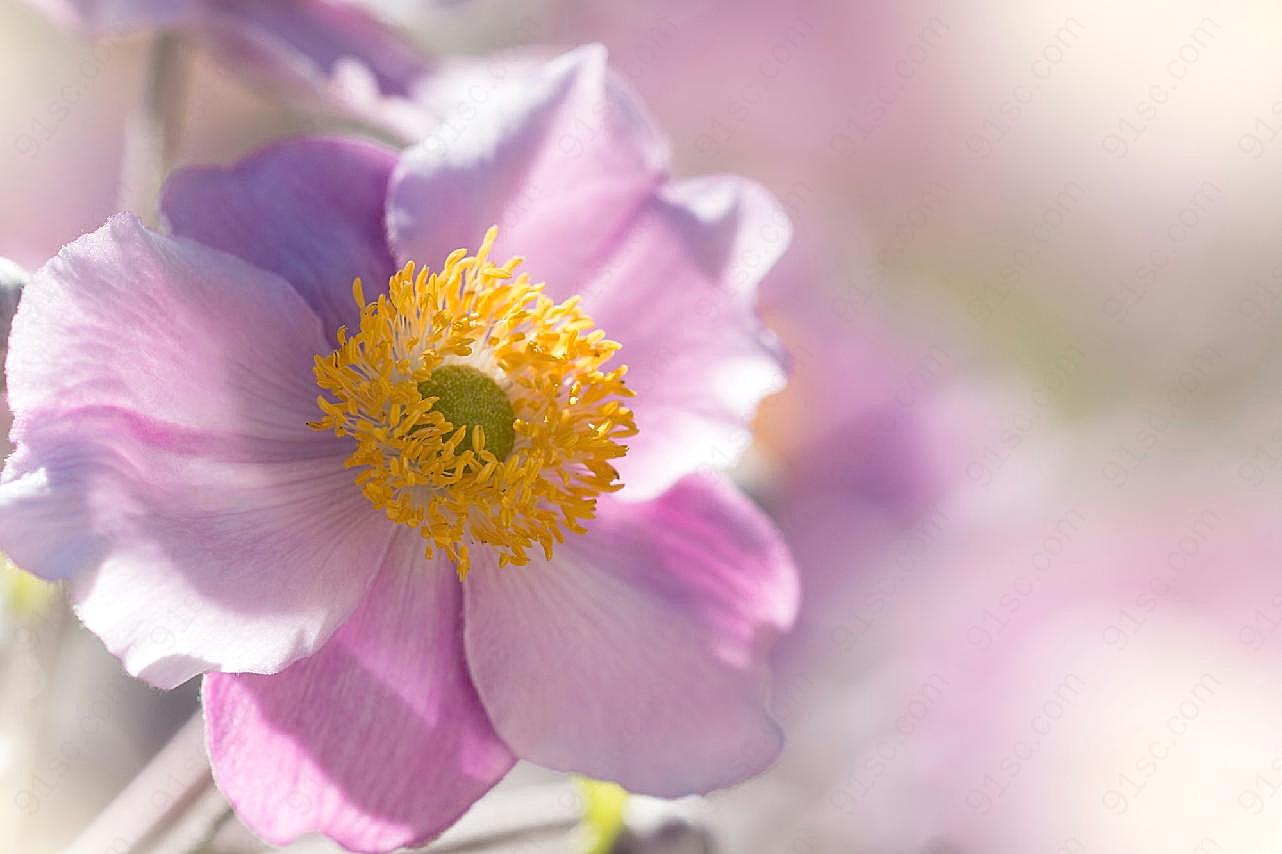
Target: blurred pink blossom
x=335, y=51
x=1070, y=669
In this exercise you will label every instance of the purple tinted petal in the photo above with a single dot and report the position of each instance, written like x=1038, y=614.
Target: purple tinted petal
x=335, y=50
x=637, y=654
x=378, y=740
x=112, y=16
x=324, y=32
x=558, y=158
x=573, y=173
x=170, y=330
x=161, y=391
x=187, y=552
x=309, y=209
x=678, y=292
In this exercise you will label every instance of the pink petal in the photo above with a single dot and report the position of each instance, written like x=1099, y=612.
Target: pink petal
x=679, y=293
x=332, y=50
x=168, y=329
x=311, y=37
x=637, y=654
x=558, y=157
x=573, y=172
x=310, y=209
x=111, y=16
x=378, y=740
x=160, y=390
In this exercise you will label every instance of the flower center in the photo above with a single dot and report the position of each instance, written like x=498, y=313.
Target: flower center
x=480, y=409
x=466, y=397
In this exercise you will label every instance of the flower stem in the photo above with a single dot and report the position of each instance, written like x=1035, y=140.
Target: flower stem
x=171, y=806
x=152, y=134
x=522, y=812
x=551, y=827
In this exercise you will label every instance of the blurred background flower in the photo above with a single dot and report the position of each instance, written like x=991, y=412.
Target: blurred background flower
x=1085, y=673
x=1029, y=455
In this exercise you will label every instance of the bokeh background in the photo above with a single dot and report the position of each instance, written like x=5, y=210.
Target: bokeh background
x=1028, y=462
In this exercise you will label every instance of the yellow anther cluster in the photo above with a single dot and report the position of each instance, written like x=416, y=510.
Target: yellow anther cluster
x=426, y=473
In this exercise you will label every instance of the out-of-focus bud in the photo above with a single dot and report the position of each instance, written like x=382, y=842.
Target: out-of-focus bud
x=655, y=826
x=674, y=837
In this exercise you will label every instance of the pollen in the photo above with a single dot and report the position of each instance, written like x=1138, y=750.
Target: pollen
x=482, y=412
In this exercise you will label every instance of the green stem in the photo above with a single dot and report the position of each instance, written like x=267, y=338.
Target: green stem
x=152, y=135
x=171, y=806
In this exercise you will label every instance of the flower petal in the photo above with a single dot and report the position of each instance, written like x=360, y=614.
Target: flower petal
x=572, y=171
x=332, y=49
x=678, y=292
x=169, y=329
x=320, y=33
x=338, y=53
x=378, y=740
x=637, y=654
x=115, y=16
x=558, y=158
x=310, y=209
x=160, y=390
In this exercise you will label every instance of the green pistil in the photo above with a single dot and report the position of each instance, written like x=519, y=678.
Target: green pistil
x=467, y=397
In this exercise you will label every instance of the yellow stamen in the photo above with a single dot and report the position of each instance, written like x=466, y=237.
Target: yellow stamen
x=476, y=318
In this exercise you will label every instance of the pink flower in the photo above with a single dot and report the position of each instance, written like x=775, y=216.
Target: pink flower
x=173, y=464
x=333, y=49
